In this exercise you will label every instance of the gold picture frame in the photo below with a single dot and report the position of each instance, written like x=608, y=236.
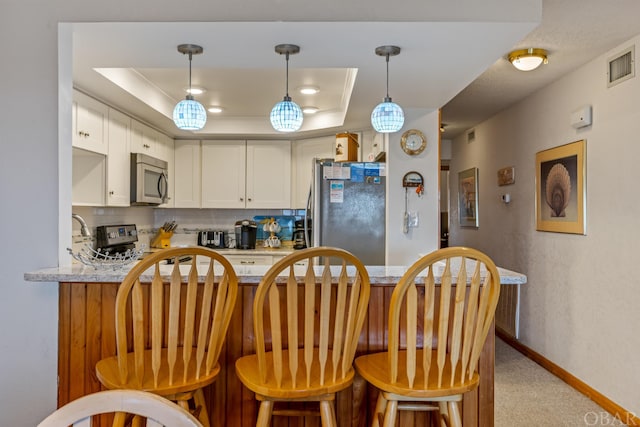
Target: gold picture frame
x=468, y=198
x=560, y=189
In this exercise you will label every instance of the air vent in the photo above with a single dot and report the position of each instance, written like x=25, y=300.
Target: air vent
x=621, y=67
x=471, y=136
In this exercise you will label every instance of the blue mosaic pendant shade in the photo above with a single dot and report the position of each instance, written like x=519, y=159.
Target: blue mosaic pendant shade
x=189, y=114
x=286, y=116
x=387, y=117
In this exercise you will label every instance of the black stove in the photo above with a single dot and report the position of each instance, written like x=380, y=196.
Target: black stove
x=116, y=239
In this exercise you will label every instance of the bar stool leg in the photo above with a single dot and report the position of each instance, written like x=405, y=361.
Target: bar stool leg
x=391, y=413
x=203, y=416
x=378, y=414
x=264, y=413
x=327, y=415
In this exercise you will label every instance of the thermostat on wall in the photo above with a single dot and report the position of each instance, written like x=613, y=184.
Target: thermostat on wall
x=581, y=117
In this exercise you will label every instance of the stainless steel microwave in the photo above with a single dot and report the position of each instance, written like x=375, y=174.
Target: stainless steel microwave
x=149, y=180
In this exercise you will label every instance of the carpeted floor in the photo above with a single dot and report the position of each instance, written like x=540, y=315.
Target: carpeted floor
x=527, y=395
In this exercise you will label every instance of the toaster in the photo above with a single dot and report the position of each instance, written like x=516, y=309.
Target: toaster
x=212, y=239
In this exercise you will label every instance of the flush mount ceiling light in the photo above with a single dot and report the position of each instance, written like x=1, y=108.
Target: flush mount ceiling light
x=387, y=116
x=310, y=110
x=528, y=59
x=215, y=109
x=308, y=90
x=189, y=114
x=286, y=115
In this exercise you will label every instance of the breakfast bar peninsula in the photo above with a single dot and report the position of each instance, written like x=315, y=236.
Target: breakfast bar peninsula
x=87, y=334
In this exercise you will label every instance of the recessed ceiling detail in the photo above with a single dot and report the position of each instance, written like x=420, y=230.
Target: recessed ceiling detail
x=133, y=66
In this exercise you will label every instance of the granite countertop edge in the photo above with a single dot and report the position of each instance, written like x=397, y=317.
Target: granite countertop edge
x=247, y=274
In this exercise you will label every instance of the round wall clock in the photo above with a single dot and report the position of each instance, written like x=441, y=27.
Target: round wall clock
x=413, y=142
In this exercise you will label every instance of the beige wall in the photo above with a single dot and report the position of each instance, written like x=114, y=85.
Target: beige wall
x=579, y=307
x=404, y=249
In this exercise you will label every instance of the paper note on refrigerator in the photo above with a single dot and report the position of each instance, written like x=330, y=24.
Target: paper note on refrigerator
x=336, y=192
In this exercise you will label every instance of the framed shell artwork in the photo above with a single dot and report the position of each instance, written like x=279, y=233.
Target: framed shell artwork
x=560, y=189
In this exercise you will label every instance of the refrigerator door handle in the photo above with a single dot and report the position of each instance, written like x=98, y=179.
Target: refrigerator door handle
x=307, y=243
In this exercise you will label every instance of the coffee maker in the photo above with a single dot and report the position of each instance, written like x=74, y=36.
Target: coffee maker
x=246, y=231
x=299, y=241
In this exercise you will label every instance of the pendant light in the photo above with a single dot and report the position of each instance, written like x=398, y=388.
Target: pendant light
x=286, y=115
x=387, y=116
x=189, y=114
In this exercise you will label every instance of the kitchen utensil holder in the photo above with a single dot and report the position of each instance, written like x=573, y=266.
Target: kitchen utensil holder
x=162, y=239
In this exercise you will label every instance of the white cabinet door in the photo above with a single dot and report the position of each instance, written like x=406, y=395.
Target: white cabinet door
x=165, y=148
x=144, y=139
x=303, y=153
x=268, y=174
x=187, y=180
x=118, y=159
x=89, y=124
x=223, y=174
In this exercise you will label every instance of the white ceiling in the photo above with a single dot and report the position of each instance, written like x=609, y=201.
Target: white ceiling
x=445, y=49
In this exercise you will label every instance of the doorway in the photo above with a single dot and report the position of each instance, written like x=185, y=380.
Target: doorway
x=444, y=203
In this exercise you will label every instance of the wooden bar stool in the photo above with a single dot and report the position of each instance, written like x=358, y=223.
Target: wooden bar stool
x=313, y=322
x=436, y=362
x=169, y=335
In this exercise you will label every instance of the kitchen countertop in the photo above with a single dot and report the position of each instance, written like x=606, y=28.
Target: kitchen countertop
x=381, y=275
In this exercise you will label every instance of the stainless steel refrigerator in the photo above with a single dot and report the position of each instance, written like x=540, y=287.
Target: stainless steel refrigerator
x=348, y=208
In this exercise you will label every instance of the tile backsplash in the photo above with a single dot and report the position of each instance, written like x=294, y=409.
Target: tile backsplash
x=149, y=219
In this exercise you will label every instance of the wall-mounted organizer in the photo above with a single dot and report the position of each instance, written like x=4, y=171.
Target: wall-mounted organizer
x=413, y=180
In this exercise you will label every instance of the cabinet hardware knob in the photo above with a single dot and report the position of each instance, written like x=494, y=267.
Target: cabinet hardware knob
x=111, y=193
x=241, y=199
x=249, y=199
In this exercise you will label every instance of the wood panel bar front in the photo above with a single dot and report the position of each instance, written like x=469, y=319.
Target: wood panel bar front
x=87, y=334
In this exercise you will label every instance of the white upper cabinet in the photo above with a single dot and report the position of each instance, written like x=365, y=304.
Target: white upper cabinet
x=149, y=141
x=89, y=124
x=187, y=175
x=268, y=174
x=251, y=174
x=146, y=140
x=223, y=174
x=118, y=159
x=303, y=153
x=165, y=148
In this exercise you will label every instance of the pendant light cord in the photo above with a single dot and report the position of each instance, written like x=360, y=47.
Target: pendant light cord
x=287, y=88
x=191, y=55
x=387, y=75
